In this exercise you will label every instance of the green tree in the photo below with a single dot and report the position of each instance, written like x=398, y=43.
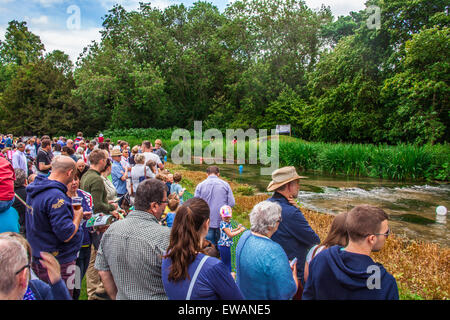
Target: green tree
x=20, y=46
x=61, y=61
x=418, y=96
x=39, y=101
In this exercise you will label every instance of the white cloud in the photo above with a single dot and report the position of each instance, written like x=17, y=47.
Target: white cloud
x=48, y=3
x=338, y=7
x=42, y=20
x=72, y=42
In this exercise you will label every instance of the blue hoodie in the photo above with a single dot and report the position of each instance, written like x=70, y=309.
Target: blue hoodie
x=335, y=274
x=51, y=220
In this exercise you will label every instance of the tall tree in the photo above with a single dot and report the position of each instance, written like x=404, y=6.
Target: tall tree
x=20, y=46
x=419, y=95
x=39, y=101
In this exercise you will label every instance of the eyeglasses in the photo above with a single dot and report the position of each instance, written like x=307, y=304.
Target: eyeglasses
x=381, y=234
x=165, y=201
x=21, y=269
x=384, y=234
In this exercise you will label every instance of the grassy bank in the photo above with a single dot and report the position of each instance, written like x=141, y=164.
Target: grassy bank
x=422, y=269
x=401, y=162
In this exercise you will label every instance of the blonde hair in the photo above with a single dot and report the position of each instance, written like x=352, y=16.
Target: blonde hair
x=139, y=158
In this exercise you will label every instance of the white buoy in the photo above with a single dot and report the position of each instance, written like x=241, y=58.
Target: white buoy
x=441, y=211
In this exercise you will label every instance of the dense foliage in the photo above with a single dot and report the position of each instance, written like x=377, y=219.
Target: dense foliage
x=255, y=65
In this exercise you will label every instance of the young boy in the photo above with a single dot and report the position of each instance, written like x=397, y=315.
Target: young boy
x=173, y=204
x=169, y=183
x=159, y=150
x=176, y=187
x=226, y=235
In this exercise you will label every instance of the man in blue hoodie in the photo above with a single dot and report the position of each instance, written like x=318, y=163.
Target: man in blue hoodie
x=52, y=224
x=350, y=273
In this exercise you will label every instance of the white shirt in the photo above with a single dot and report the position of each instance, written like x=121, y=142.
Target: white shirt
x=138, y=171
x=152, y=156
x=32, y=149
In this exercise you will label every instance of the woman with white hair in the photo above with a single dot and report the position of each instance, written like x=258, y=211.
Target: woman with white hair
x=263, y=269
x=139, y=172
x=80, y=154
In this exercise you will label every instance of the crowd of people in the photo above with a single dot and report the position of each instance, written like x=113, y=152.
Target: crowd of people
x=160, y=244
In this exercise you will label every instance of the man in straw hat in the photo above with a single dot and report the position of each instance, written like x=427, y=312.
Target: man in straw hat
x=294, y=233
x=119, y=174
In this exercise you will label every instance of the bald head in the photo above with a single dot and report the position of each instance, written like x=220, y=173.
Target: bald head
x=63, y=164
x=63, y=169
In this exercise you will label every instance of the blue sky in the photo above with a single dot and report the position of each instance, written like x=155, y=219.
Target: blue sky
x=49, y=19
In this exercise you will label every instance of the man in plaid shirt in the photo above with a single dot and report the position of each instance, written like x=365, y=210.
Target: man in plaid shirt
x=129, y=256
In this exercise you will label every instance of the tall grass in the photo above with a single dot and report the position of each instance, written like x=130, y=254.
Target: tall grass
x=400, y=162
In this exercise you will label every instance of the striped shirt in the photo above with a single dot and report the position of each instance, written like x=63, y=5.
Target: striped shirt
x=131, y=249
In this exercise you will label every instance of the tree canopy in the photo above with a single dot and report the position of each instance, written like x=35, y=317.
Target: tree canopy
x=257, y=64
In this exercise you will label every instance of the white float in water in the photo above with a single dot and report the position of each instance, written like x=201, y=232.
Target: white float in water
x=441, y=211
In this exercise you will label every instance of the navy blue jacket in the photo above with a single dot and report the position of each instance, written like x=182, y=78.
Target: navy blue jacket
x=294, y=233
x=335, y=274
x=51, y=221
x=44, y=291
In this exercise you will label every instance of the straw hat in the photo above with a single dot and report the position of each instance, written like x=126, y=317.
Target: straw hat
x=116, y=153
x=282, y=176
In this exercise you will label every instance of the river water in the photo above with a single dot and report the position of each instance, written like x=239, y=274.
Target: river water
x=411, y=205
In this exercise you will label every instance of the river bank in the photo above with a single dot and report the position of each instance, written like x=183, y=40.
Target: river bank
x=422, y=269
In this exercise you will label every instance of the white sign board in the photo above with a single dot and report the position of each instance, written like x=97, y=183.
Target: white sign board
x=283, y=128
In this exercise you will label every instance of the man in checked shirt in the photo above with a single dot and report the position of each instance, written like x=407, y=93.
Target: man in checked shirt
x=129, y=257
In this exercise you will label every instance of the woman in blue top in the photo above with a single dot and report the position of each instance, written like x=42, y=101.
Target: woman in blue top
x=187, y=273
x=263, y=269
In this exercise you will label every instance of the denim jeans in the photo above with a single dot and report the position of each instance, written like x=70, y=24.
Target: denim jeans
x=5, y=205
x=213, y=235
x=82, y=262
x=225, y=256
